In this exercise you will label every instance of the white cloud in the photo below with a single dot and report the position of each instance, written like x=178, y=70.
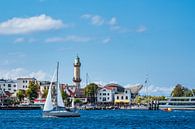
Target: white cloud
x=141, y=29
x=40, y=75
x=106, y=40
x=21, y=72
x=94, y=19
x=19, y=40
x=70, y=38
x=86, y=16
x=97, y=20
x=30, y=24
x=24, y=40
x=112, y=21
x=156, y=90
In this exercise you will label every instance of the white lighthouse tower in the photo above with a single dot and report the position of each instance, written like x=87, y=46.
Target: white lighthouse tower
x=76, y=77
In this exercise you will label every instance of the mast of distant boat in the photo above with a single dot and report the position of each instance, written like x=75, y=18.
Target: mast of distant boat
x=56, y=102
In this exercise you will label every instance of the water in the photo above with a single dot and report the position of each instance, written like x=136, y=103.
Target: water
x=100, y=119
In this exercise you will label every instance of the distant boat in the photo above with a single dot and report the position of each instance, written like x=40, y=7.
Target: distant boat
x=57, y=109
x=185, y=103
x=167, y=109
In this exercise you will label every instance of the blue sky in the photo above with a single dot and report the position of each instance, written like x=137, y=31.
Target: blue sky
x=117, y=41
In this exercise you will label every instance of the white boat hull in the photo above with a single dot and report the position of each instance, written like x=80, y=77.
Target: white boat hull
x=60, y=114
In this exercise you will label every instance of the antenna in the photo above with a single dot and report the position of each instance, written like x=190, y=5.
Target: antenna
x=87, y=79
x=146, y=85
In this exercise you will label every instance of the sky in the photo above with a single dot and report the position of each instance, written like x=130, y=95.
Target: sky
x=122, y=42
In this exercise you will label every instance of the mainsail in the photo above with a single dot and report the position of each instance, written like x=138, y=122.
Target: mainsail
x=48, y=104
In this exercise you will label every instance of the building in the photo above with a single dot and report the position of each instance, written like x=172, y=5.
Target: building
x=76, y=76
x=123, y=97
x=135, y=90
x=44, y=85
x=70, y=90
x=106, y=94
x=8, y=85
x=5, y=95
x=22, y=83
x=114, y=93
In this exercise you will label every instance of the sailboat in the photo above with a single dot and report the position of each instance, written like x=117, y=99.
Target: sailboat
x=57, y=109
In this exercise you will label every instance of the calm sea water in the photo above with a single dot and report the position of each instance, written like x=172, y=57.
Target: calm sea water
x=100, y=119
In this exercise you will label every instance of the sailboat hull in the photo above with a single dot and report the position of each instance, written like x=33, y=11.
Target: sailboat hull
x=61, y=114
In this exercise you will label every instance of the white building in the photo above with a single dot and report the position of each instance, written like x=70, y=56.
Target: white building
x=105, y=95
x=22, y=83
x=8, y=85
x=123, y=97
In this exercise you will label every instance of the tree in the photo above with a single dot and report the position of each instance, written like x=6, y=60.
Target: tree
x=32, y=91
x=180, y=91
x=91, y=91
x=64, y=95
x=20, y=95
x=193, y=92
x=45, y=92
x=77, y=101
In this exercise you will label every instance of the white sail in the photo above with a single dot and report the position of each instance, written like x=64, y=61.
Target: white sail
x=59, y=97
x=72, y=102
x=48, y=104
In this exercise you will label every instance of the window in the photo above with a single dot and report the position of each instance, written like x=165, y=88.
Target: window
x=9, y=85
x=126, y=91
x=23, y=81
x=104, y=89
x=104, y=99
x=121, y=97
x=126, y=97
x=14, y=85
x=108, y=98
x=9, y=89
x=23, y=86
x=100, y=94
x=3, y=84
x=108, y=94
x=104, y=93
x=117, y=97
x=100, y=98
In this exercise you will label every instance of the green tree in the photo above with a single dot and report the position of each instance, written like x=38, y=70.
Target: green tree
x=193, y=92
x=20, y=95
x=178, y=91
x=32, y=91
x=77, y=101
x=91, y=91
x=64, y=95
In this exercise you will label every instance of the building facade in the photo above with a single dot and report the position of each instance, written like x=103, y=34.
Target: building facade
x=8, y=85
x=22, y=83
x=123, y=97
x=105, y=95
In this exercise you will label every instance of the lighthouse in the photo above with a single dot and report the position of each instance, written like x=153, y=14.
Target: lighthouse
x=76, y=76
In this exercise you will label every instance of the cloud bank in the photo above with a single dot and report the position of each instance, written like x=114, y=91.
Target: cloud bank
x=31, y=24
x=69, y=38
x=21, y=72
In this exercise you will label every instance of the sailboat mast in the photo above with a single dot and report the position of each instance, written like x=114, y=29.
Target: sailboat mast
x=57, y=85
